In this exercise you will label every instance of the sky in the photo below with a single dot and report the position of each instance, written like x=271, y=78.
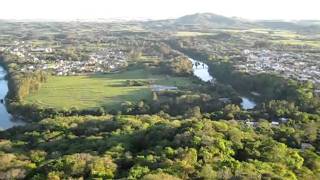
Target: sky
x=157, y=9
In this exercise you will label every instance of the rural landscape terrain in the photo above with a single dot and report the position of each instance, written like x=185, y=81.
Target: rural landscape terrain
x=202, y=96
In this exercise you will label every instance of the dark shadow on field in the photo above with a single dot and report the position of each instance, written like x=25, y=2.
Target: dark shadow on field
x=121, y=84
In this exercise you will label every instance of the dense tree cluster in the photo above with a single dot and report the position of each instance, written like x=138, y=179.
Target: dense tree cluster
x=21, y=84
x=178, y=66
x=151, y=147
x=270, y=87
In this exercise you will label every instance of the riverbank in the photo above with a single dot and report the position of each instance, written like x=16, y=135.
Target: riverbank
x=209, y=73
x=6, y=119
x=201, y=70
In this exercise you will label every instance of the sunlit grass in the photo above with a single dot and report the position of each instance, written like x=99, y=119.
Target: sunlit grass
x=107, y=90
x=315, y=44
x=189, y=33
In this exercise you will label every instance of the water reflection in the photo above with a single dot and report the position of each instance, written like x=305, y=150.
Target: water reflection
x=247, y=104
x=6, y=120
x=200, y=70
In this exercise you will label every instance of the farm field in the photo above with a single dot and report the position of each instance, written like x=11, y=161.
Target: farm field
x=190, y=33
x=314, y=44
x=104, y=90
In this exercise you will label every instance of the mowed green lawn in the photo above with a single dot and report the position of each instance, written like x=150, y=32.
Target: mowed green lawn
x=105, y=90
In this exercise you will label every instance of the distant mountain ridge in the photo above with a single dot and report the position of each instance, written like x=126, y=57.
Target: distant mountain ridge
x=211, y=21
x=205, y=19
x=203, y=22
x=304, y=25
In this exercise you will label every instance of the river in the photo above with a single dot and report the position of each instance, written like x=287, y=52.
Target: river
x=201, y=70
x=247, y=103
x=6, y=120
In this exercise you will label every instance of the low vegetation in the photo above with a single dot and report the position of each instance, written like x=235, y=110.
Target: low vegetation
x=106, y=90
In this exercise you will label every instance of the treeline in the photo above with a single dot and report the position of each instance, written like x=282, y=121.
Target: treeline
x=33, y=112
x=270, y=87
x=193, y=53
x=190, y=103
x=179, y=66
x=21, y=84
x=155, y=147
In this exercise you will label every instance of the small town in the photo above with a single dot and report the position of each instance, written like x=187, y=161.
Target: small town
x=104, y=60
x=302, y=67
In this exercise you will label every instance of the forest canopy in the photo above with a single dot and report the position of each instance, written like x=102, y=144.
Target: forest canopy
x=151, y=147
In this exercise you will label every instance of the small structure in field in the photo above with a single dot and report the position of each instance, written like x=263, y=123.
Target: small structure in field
x=159, y=88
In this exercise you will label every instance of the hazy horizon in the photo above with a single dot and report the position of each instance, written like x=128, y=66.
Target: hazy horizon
x=164, y=9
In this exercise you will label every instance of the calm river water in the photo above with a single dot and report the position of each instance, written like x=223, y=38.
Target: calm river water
x=201, y=70
x=6, y=120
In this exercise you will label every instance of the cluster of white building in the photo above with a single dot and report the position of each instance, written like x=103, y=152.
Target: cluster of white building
x=104, y=60
x=301, y=67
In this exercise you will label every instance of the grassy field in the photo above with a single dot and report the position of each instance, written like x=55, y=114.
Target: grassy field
x=189, y=33
x=285, y=37
x=315, y=44
x=107, y=90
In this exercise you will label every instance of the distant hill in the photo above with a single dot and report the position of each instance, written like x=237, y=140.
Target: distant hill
x=207, y=21
x=202, y=21
x=211, y=20
x=278, y=24
x=309, y=22
x=301, y=26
